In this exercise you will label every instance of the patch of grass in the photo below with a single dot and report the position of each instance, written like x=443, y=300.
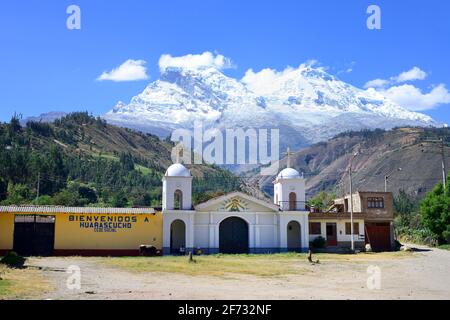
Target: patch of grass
x=213, y=265
x=18, y=284
x=270, y=265
x=444, y=247
x=142, y=169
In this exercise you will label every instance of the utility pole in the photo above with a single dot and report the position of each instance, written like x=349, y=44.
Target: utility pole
x=38, y=185
x=444, y=173
x=386, y=178
x=350, y=171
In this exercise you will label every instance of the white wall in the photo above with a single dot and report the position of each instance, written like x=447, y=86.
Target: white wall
x=170, y=185
x=340, y=226
x=187, y=216
x=284, y=219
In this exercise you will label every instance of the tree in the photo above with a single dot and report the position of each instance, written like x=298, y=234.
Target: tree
x=435, y=212
x=323, y=200
x=66, y=198
x=43, y=201
x=14, y=124
x=127, y=162
x=17, y=194
x=405, y=203
x=87, y=193
x=407, y=208
x=119, y=200
x=3, y=189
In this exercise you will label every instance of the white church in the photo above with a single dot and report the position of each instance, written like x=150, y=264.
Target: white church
x=236, y=222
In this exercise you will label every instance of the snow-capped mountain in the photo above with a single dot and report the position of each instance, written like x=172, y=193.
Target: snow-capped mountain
x=307, y=104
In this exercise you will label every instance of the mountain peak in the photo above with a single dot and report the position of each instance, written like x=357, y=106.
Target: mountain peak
x=306, y=103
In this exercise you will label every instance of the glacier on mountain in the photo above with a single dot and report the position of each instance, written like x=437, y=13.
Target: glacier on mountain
x=307, y=104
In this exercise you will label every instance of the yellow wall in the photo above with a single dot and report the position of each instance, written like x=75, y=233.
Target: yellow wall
x=147, y=229
x=6, y=231
x=71, y=233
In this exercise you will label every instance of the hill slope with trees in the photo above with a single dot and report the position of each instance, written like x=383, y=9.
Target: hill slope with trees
x=80, y=160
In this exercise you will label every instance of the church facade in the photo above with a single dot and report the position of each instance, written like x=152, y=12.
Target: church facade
x=236, y=222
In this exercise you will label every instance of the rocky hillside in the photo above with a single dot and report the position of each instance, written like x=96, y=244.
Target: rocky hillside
x=380, y=152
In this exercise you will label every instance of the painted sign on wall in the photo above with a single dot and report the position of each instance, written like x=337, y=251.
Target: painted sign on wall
x=102, y=223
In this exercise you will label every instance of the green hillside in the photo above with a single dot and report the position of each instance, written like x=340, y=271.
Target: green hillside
x=80, y=160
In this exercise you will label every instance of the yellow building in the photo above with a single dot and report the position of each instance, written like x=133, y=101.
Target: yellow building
x=78, y=231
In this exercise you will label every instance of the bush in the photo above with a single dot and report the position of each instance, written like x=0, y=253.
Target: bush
x=318, y=243
x=13, y=260
x=43, y=201
x=435, y=213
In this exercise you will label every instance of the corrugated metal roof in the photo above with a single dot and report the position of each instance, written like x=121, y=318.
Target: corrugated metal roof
x=56, y=209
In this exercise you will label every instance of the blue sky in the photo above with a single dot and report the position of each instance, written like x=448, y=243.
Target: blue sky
x=46, y=67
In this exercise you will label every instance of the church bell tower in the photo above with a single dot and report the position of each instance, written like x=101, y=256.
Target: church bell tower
x=289, y=188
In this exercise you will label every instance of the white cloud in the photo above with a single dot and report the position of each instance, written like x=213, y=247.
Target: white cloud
x=377, y=83
x=414, y=99
x=411, y=75
x=268, y=81
x=194, y=61
x=262, y=82
x=408, y=95
x=130, y=70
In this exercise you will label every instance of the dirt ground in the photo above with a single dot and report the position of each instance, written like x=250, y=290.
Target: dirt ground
x=422, y=275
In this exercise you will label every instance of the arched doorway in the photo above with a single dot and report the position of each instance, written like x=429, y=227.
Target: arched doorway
x=294, y=240
x=292, y=201
x=177, y=237
x=178, y=200
x=233, y=236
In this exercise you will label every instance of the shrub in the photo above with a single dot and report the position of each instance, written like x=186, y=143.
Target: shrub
x=318, y=243
x=13, y=260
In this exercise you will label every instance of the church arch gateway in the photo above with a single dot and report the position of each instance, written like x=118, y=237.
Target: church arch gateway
x=294, y=236
x=233, y=236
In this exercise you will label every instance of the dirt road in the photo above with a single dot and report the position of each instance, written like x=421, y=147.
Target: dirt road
x=424, y=275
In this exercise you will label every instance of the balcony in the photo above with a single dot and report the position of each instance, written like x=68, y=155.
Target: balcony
x=292, y=205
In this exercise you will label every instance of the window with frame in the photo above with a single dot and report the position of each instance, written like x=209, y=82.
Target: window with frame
x=315, y=228
x=375, y=203
x=348, y=227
